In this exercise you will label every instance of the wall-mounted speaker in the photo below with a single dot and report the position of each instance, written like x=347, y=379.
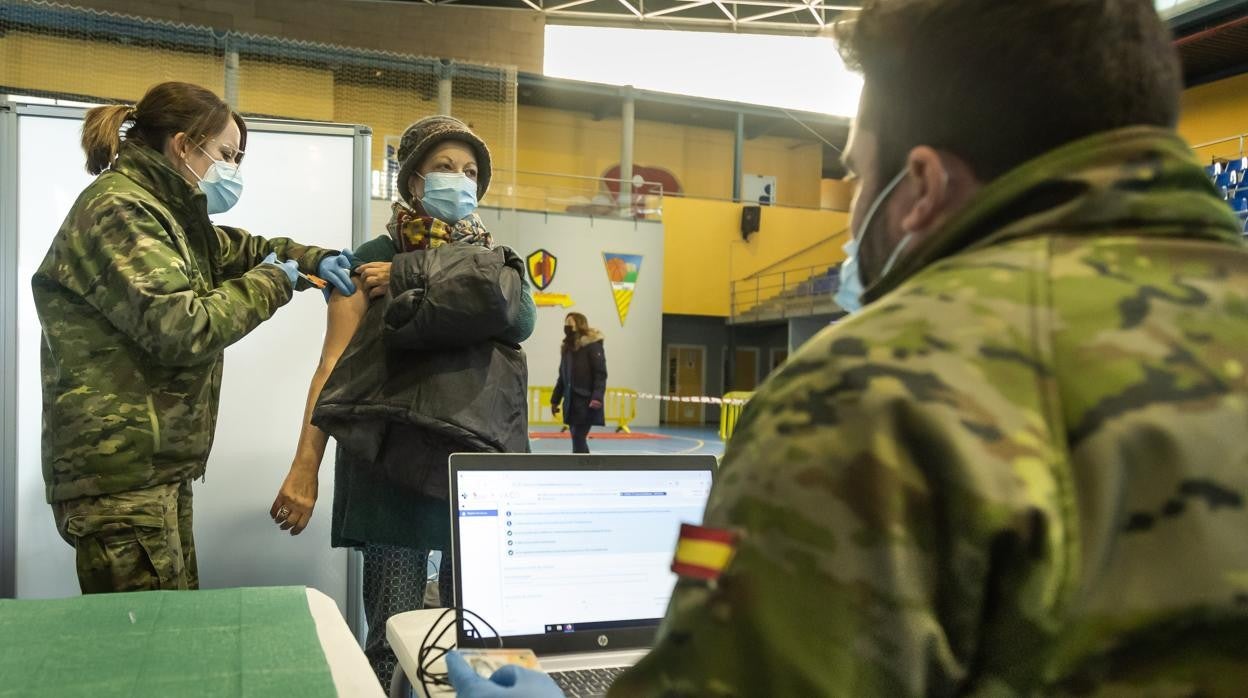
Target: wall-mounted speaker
x=751, y=217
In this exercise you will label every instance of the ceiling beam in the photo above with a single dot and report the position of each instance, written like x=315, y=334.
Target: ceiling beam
x=767, y=15
x=798, y=25
x=567, y=5
x=814, y=12
x=676, y=8
x=632, y=9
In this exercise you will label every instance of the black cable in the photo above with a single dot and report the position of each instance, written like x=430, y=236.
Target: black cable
x=424, y=659
x=431, y=647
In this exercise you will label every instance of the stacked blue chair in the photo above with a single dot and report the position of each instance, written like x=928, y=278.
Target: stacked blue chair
x=1231, y=180
x=1237, y=188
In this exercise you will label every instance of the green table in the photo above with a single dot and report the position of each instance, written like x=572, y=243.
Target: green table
x=228, y=642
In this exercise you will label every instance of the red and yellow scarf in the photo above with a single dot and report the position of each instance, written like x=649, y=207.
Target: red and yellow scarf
x=413, y=231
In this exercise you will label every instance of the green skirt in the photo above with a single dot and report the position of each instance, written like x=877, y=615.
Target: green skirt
x=369, y=508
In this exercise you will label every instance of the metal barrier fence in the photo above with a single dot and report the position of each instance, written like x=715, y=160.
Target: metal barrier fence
x=619, y=406
x=730, y=413
x=60, y=51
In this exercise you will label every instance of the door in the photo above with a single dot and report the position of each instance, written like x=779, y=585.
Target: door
x=778, y=357
x=686, y=377
x=745, y=370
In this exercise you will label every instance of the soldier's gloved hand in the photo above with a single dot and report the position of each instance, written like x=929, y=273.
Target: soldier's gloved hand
x=510, y=681
x=336, y=269
x=289, y=266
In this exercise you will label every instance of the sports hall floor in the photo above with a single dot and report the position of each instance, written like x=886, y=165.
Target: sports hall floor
x=643, y=441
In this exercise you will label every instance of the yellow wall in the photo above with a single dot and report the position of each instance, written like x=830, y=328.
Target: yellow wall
x=296, y=92
x=53, y=64
x=704, y=253
x=701, y=158
x=114, y=71
x=836, y=194
x=1215, y=111
x=476, y=35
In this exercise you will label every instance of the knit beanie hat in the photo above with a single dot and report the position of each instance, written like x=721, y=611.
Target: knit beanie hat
x=423, y=136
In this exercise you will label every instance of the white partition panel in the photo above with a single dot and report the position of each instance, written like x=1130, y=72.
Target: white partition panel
x=51, y=174
x=300, y=183
x=297, y=185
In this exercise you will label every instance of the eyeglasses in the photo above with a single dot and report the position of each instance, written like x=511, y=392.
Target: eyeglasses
x=227, y=153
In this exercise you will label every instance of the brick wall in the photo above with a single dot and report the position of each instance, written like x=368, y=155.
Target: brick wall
x=503, y=37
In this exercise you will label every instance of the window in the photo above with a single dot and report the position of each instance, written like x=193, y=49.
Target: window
x=791, y=72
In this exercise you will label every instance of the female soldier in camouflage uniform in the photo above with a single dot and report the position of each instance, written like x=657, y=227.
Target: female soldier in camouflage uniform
x=138, y=296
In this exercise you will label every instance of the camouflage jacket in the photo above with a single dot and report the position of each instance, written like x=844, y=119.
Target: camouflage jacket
x=1020, y=471
x=138, y=296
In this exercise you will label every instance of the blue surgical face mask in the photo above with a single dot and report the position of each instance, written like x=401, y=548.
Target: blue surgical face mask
x=449, y=196
x=222, y=184
x=849, y=296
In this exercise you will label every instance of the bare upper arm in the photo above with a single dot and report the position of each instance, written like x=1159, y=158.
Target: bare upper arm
x=343, y=318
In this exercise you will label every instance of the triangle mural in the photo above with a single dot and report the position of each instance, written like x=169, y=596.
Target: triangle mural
x=622, y=272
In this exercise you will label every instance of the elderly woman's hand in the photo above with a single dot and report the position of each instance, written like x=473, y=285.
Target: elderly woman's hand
x=375, y=278
x=292, y=508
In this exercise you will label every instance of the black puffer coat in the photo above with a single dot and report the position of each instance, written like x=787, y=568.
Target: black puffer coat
x=425, y=376
x=582, y=379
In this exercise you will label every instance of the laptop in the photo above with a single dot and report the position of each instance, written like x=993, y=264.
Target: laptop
x=570, y=555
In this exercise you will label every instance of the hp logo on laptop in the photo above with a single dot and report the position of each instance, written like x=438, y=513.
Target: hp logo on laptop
x=602, y=640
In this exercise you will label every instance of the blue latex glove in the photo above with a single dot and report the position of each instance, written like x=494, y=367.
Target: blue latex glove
x=336, y=269
x=289, y=266
x=508, y=682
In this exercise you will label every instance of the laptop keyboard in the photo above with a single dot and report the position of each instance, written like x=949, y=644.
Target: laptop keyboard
x=586, y=683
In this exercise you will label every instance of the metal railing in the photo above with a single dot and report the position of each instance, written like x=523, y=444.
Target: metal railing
x=785, y=294
x=835, y=237
x=1238, y=139
x=580, y=195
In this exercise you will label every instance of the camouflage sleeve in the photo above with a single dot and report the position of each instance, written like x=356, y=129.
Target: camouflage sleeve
x=125, y=264
x=873, y=484
x=241, y=251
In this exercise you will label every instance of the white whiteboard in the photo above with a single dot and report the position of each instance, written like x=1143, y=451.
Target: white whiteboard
x=298, y=184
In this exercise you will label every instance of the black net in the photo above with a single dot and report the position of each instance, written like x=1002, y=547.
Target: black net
x=59, y=51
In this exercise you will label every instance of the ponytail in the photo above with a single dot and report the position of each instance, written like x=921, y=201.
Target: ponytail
x=101, y=135
x=167, y=109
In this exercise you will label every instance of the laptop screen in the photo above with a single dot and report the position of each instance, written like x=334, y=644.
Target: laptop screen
x=548, y=552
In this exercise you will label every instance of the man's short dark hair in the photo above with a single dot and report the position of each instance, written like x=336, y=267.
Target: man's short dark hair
x=998, y=82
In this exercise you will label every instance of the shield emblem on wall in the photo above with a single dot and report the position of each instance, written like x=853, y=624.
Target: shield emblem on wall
x=542, y=265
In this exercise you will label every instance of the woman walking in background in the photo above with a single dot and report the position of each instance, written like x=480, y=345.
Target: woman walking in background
x=582, y=380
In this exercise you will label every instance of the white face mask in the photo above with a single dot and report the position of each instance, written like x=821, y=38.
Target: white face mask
x=222, y=184
x=849, y=295
x=449, y=196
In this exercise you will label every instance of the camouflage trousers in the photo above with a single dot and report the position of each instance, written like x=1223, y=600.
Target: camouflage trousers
x=132, y=541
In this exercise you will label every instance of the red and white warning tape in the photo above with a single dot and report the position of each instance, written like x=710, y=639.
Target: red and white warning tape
x=697, y=400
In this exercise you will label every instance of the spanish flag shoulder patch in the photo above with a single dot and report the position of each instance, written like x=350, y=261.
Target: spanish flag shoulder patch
x=703, y=553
